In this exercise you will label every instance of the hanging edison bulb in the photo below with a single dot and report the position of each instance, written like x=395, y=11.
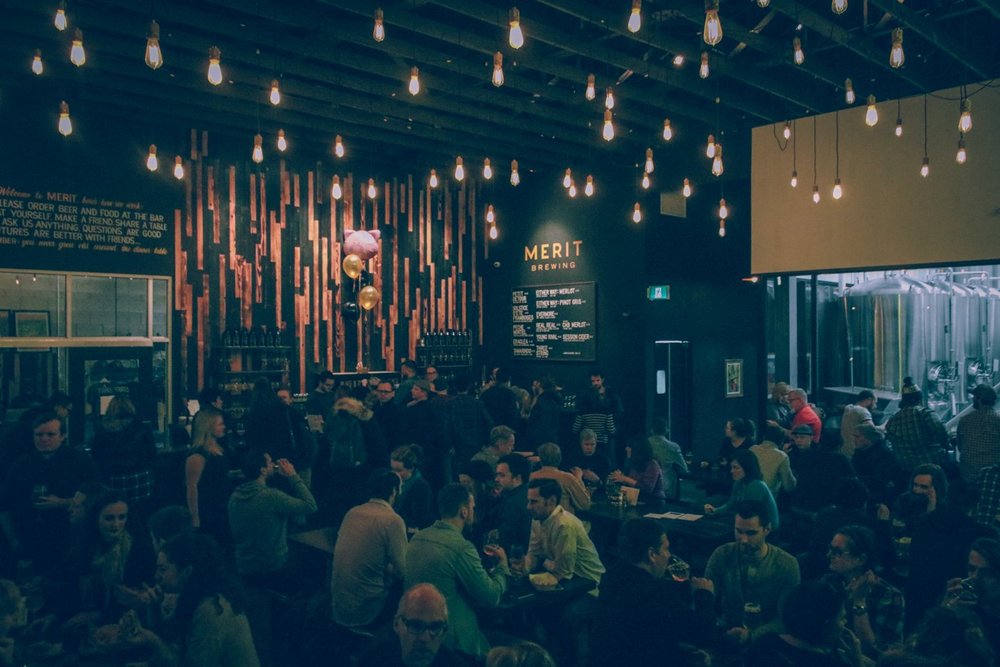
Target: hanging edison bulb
x=710, y=147
x=838, y=190
x=282, y=142
x=275, y=96
x=668, y=132
x=178, y=168
x=65, y=124
x=433, y=180
x=336, y=191
x=571, y=190
x=338, y=146
x=838, y=6
x=36, y=63
x=591, y=91
x=459, y=169
x=258, y=149
x=493, y=232
x=961, y=156
x=787, y=131
x=899, y=127
x=815, y=194
x=686, y=189
x=214, y=69
x=925, y=167
x=491, y=216
x=723, y=209
x=849, y=95
x=703, y=70
x=516, y=36
x=798, y=55
x=965, y=118
x=722, y=228
x=151, y=162
x=763, y=4
x=497, y=69
x=77, y=55
x=609, y=98
x=896, y=55
x=60, y=18
x=515, y=177
x=567, y=178
x=678, y=60
x=608, y=132
x=414, y=86
x=372, y=190
x=712, y=31
x=794, y=182
x=717, y=166
x=487, y=170
x=649, y=166
x=588, y=189
x=871, y=115
x=635, y=18
x=637, y=213
x=154, y=56
x=378, y=30
x=645, y=182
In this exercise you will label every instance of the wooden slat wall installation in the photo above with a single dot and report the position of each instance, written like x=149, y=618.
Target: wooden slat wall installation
x=279, y=265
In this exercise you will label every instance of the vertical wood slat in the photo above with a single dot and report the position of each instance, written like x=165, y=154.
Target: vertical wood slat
x=204, y=143
x=406, y=285
x=446, y=227
x=296, y=200
x=193, y=155
x=297, y=268
x=300, y=335
x=279, y=278
x=232, y=218
x=262, y=208
x=189, y=201
x=221, y=325
x=328, y=302
x=179, y=262
x=253, y=200
x=425, y=194
x=199, y=214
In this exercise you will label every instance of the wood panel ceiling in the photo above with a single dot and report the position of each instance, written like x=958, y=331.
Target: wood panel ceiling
x=335, y=79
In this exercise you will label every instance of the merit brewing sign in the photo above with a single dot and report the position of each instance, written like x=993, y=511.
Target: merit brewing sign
x=555, y=322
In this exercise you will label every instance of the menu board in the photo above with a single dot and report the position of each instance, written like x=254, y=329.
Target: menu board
x=555, y=322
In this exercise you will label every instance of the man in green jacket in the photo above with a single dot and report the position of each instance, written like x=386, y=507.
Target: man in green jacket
x=440, y=555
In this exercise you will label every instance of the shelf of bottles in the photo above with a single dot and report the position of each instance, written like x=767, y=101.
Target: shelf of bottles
x=245, y=355
x=445, y=348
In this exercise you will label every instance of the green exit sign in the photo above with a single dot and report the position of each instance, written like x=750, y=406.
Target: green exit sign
x=658, y=292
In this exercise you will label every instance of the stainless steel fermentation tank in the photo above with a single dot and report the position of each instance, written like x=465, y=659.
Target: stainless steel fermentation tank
x=946, y=335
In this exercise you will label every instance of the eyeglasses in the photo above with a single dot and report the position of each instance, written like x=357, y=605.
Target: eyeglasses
x=837, y=551
x=435, y=629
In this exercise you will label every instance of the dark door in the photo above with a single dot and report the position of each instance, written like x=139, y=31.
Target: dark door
x=669, y=394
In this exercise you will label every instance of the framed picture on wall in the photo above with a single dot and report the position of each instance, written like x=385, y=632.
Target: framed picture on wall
x=31, y=324
x=4, y=323
x=734, y=378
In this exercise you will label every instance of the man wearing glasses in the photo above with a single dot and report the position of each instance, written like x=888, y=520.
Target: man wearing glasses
x=420, y=623
x=802, y=414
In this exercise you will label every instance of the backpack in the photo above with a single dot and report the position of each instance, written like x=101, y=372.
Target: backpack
x=347, y=441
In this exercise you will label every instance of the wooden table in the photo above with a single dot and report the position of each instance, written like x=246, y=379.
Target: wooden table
x=323, y=539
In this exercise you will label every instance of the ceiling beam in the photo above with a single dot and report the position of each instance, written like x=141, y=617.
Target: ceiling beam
x=992, y=6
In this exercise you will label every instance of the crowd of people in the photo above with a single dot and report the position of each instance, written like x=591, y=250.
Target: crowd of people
x=857, y=543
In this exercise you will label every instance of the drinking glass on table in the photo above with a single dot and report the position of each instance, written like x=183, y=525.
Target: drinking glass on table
x=678, y=569
x=751, y=616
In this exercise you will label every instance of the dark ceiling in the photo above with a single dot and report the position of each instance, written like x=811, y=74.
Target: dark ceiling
x=335, y=79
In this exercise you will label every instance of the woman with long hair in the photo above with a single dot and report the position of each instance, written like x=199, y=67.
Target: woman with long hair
x=747, y=485
x=642, y=471
x=206, y=474
x=124, y=450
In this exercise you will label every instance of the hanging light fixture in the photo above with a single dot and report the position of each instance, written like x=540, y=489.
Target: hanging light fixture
x=871, y=115
x=710, y=147
x=608, y=132
x=763, y=4
x=961, y=156
x=65, y=124
x=258, y=149
x=899, y=118
x=282, y=142
x=815, y=195
x=703, y=70
x=516, y=36
x=794, y=182
x=678, y=60
x=515, y=177
x=609, y=98
x=635, y=18
x=717, y=166
x=965, y=118
x=567, y=178
x=649, y=166
x=571, y=190
x=60, y=19
x=645, y=182
x=414, y=86
x=668, y=132
x=77, y=55
x=178, y=168
x=36, y=63
x=588, y=189
x=487, y=170
x=372, y=190
x=925, y=166
x=336, y=191
x=491, y=216
x=493, y=232
x=497, y=69
x=686, y=188
x=338, y=146
x=896, y=55
x=723, y=209
x=712, y=32
x=151, y=162
x=154, y=56
x=786, y=132
x=722, y=228
x=637, y=213
x=275, y=96
x=591, y=91
x=378, y=30
x=214, y=69
x=433, y=180
x=838, y=190
x=838, y=6
x=849, y=95
x=459, y=169
x=798, y=56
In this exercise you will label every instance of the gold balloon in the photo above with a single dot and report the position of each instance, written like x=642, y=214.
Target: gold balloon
x=368, y=297
x=353, y=265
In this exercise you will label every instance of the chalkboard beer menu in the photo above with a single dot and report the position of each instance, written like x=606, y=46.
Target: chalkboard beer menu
x=555, y=322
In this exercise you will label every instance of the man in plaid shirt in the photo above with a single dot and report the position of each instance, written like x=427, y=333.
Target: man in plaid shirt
x=979, y=434
x=988, y=507
x=916, y=434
